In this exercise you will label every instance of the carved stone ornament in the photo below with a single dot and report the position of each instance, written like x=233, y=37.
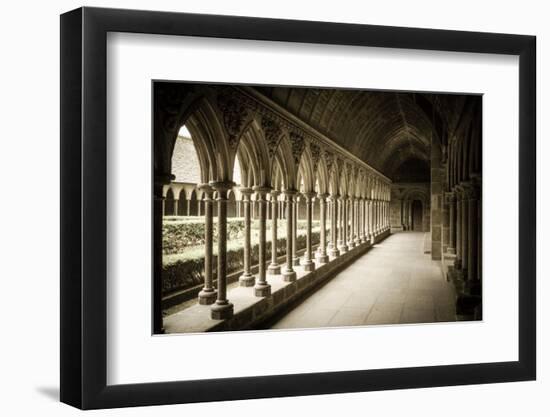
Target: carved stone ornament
x=272, y=133
x=234, y=115
x=298, y=145
x=315, y=153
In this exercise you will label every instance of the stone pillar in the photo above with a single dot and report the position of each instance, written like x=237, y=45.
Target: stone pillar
x=464, y=227
x=289, y=274
x=344, y=248
x=295, y=211
x=334, y=251
x=175, y=208
x=351, y=238
x=445, y=208
x=274, y=267
x=472, y=195
x=309, y=265
x=458, y=224
x=322, y=256
x=247, y=279
x=370, y=220
x=222, y=308
x=452, y=224
x=207, y=294
x=262, y=288
x=158, y=214
x=188, y=208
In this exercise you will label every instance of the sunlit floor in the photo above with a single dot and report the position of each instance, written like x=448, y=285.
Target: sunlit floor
x=395, y=282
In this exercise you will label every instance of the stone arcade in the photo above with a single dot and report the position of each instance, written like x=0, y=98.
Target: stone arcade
x=363, y=164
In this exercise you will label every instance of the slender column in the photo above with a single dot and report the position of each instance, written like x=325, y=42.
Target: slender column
x=295, y=212
x=321, y=255
x=464, y=218
x=274, y=268
x=472, y=195
x=334, y=251
x=158, y=214
x=344, y=201
x=247, y=279
x=410, y=214
x=207, y=294
x=365, y=222
x=262, y=288
x=188, y=209
x=458, y=260
x=222, y=308
x=452, y=224
x=351, y=211
x=289, y=274
x=309, y=265
x=175, y=208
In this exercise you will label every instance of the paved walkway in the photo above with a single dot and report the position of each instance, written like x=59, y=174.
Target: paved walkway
x=395, y=282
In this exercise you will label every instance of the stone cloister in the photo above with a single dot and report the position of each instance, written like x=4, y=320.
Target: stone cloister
x=362, y=164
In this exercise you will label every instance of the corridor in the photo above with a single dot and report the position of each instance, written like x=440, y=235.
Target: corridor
x=395, y=282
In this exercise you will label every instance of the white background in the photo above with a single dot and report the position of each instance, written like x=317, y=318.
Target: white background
x=317, y=350
x=29, y=211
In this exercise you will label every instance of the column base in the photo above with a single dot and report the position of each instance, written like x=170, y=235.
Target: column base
x=274, y=269
x=322, y=258
x=221, y=311
x=451, y=251
x=344, y=248
x=309, y=265
x=351, y=244
x=295, y=261
x=289, y=276
x=262, y=290
x=207, y=297
x=247, y=280
x=334, y=253
x=358, y=241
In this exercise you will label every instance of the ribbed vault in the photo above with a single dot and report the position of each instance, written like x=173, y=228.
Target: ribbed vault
x=387, y=130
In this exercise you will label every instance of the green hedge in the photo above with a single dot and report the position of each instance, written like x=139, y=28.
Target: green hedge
x=186, y=270
x=179, y=233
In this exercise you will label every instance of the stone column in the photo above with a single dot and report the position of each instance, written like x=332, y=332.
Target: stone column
x=458, y=224
x=262, y=288
x=247, y=279
x=344, y=248
x=452, y=224
x=295, y=212
x=188, y=208
x=351, y=237
x=274, y=267
x=207, y=294
x=158, y=214
x=175, y=208
x=309, y=265
x=465, y=237
x=289, y=274
x=472, y=195
x=222, y=308
x=334, y=251
x=322, y=256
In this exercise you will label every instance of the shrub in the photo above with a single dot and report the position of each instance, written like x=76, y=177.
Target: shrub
x=185, y=270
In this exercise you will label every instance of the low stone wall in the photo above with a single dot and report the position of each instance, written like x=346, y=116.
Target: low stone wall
x=265, y=308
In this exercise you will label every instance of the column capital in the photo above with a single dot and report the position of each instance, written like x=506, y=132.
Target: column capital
x=261, y=191
x=246, y=191
x=290, y=192
x=275, y=193
x=207, y=188
x=323, y=196
x=450, y=197
x=221, y=185
x=334, y=196
x=309, y=195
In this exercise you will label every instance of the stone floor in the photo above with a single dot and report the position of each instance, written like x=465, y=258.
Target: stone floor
x=395, y=282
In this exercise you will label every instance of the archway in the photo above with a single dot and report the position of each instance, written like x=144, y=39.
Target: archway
x=417, y=216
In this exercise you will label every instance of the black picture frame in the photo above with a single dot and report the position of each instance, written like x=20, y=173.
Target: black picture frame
x=84, y=222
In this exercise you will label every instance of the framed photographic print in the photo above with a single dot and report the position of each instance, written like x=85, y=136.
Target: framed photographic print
x=257, y=208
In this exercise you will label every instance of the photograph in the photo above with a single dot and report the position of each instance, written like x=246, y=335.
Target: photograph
x=300, y=207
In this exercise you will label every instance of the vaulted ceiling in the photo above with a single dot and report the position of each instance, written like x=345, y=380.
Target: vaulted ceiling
x=388, y=130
